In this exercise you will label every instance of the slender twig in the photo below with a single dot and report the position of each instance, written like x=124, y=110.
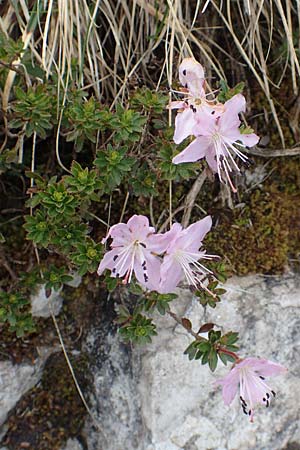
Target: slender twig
x=188, y=329
x=170, y=203
x=11, y=67
x=4, y=263
x=188, y=203
x=166, y=222
x=72, y=371
x=227, y=352
x=98, y=218
x=124, y=207
x=199, y=338
x=191, y=198
x=272, y=153
x=151, y=211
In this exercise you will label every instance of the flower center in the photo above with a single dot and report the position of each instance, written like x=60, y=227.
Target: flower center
x=129, y=256
x=193, y=270
x=254, y=389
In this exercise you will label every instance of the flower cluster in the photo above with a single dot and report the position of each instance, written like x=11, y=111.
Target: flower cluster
x=216, y=126
x=159, y=261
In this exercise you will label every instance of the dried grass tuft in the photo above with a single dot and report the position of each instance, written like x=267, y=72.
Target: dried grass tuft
x=109, y=46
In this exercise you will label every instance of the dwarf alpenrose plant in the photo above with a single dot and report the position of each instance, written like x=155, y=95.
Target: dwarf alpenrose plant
x=156, y=263
x=142, y=254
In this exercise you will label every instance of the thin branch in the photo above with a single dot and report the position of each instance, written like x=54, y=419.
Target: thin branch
x=166, y=222
x=227, y=352
x=272, y=153
x=188, y=329
x=191, y=198
x=4, y=263
x=124, y=207
x=96, y=424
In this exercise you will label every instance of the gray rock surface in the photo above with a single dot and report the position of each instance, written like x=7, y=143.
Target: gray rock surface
x=116, y=400
x=16, y=379
x=155, y=399
x=182, y=408
x=72, y=444
x=41, y=304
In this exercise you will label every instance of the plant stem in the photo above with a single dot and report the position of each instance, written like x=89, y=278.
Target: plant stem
x=227, y=352
x=180, y=322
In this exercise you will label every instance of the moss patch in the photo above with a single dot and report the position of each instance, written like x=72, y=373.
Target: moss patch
x=264, y=235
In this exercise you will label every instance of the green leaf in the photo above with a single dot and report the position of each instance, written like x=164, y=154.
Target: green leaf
x=212, y=359
x=205, y=358
x=204, y=346
x=223, y=358
x=246, y=130
x=226, y=93
x=229, y=338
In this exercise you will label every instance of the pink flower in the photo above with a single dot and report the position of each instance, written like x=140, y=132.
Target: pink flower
x=217, y=137
x=194, y=104
x=250, y=375
x=191, y=76
x=133, y=249
x=191, y=114
x=182, y=256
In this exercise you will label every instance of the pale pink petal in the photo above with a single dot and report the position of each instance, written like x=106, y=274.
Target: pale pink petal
x=158, y=243
x=229, y=391
x=190, y=67
x=229, y=385
x=196, y=87
x=171, y=275
x=236, y=104
x=191, y=76
x=232, y=135
x=178, y=104
x=228, y=124
x=211, y=159
x=249, y=139
x=206, y=124
x=211, y=110
x=252, y=390
x=149, y=274
x=184, y=124
x=119, y=231
x=139, y=227
x=233, y=107
x=193, y=152
x=195, y=233
x=264, y=367
x=249, y=375
x=109, y=261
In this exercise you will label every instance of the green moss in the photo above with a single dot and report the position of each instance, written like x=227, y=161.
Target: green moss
x=263, y=236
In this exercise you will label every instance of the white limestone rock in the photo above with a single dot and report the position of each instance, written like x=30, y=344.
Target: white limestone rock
x=17, y=379
x=72, y=444
x=180, y=405
x=41, y=304
x=154, y=398
x=76, y=280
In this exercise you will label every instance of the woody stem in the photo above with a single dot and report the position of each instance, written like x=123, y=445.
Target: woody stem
x=227, y=352
x=187, y=328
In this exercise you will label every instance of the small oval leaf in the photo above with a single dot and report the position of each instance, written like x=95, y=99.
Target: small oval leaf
x=206, y=327
x=186, y=323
